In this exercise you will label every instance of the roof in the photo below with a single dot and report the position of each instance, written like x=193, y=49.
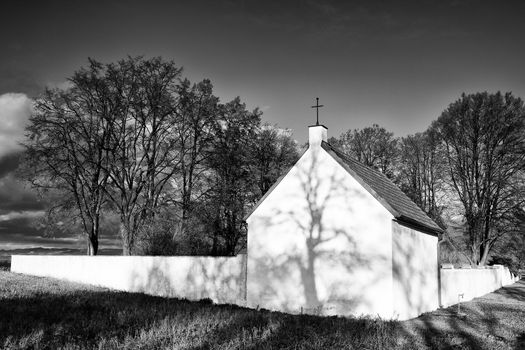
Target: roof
x=386, y=192
x=382, y=188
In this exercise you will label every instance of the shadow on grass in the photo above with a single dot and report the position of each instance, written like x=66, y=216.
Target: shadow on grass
x=84, y=315
x=520, y=343
x=5, y=264
x=494, y=321
x=515, y=291
x=47, y=313
x=71, y=317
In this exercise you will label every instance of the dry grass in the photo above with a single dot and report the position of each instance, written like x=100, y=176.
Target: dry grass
x=44, y=313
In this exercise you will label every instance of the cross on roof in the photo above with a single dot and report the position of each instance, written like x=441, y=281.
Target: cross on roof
x=317, y=106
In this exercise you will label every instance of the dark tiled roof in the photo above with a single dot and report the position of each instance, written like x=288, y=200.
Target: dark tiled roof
x=385, y=191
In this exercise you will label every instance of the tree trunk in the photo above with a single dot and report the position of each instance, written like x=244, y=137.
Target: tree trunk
x=475, y=256
x=127, y=241
x=215, y=242
x=92, y=245
x=475, y=241
x=484, y=254
x=308, y=278
x=92, y=248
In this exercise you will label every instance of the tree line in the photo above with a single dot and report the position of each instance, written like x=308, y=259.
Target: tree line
x=136, y=139
x=466, y=171
x=179, y=169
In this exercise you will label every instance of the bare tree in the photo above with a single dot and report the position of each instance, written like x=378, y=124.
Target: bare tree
x=232, y=181
x=66, y=146
x=110, y=137
x=373, y=146
x=197, y=112
x=421, y=172
x=142, y=143
x=134, y=138
x=484, y=139
x=274, y=151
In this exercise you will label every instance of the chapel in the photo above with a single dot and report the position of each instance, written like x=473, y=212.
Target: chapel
x=335, y=237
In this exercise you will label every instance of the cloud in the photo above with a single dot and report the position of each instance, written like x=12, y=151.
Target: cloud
x=9, y=163
x=15, y=110
x=15, y=196
x=21, y=214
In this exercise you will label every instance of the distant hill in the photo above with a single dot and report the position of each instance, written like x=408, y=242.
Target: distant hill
x=5, y=254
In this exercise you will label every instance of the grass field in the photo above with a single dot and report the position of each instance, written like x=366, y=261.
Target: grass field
x=45, y=313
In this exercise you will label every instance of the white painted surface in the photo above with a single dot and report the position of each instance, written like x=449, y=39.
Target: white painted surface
x=221, y=279
x=319, y=213
x=472, y=283
x=415, y=272
x=316, y=135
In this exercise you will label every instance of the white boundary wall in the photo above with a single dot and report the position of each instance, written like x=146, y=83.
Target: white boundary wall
x=472, y=283
x=222, y=279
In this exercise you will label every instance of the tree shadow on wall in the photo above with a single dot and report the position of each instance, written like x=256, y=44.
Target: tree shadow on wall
x=326, y=254
x=156, y=280
x=221, y=279
x=419, y=289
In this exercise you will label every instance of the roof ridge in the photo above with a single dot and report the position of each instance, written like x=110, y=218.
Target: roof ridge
x=368, y=167
x=386, y=191
x=355, y=161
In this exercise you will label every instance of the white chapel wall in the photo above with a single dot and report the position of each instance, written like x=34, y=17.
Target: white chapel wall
x=415, y=272
x=222, y=279
x=320, y=243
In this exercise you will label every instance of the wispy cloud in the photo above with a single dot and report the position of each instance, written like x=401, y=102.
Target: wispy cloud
x=21, y=214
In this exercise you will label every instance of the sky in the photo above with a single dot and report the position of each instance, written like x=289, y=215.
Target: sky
x=398, y=64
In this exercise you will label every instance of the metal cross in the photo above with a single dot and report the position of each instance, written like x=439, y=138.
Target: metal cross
x=317, y=106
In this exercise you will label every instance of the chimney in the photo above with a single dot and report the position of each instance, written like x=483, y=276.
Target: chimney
x=317, y=134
